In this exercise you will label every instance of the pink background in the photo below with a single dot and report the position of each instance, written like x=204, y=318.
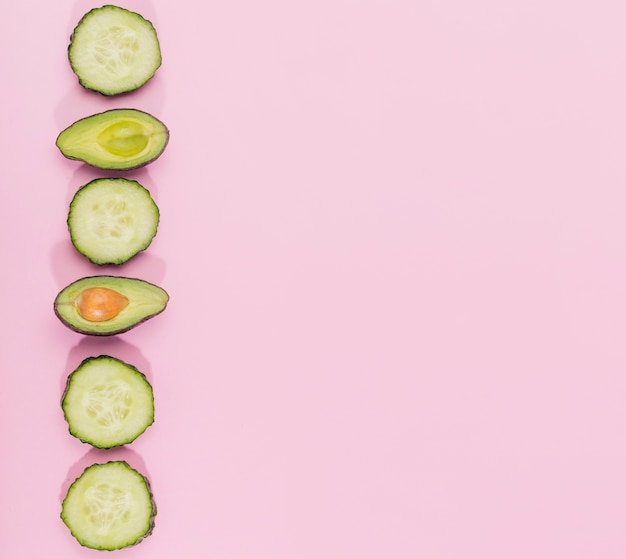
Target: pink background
x=393, y=234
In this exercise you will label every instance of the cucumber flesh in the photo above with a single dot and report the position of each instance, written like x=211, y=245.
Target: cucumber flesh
x=113, y=50
x=107, y=403
x=111, y=220
x=110, y=506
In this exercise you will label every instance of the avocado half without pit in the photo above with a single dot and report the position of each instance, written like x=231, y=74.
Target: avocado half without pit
x=108, y=305
x=117, y=139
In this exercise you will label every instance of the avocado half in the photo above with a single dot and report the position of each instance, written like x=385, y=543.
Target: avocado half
x=117, y=139
x=130, y=302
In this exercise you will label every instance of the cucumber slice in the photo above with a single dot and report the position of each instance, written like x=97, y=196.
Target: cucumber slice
x=107, y=402
x=113, y=50
x=112, y=219
x=110, y=506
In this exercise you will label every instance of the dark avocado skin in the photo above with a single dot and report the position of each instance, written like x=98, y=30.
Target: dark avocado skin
x=131, y=168
x=124, y=327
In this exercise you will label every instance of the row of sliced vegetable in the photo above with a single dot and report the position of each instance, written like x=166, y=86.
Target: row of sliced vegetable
x=107, y=402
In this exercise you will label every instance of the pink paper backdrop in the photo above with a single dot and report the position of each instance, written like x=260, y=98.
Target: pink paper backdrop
x=393, y=234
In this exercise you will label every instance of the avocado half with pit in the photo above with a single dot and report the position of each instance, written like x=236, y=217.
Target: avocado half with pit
x=108, y=305
x=117, y=139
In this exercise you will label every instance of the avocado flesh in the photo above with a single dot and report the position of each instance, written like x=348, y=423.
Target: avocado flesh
x=118, y=139
x=145, y=300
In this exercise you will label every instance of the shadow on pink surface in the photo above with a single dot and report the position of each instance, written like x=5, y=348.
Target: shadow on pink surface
x=65, y=261
x=98, y=456
x=85, y=173
x=114, y=346
x=71, y=107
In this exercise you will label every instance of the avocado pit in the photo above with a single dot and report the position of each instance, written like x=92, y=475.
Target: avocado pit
x=98, y=304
